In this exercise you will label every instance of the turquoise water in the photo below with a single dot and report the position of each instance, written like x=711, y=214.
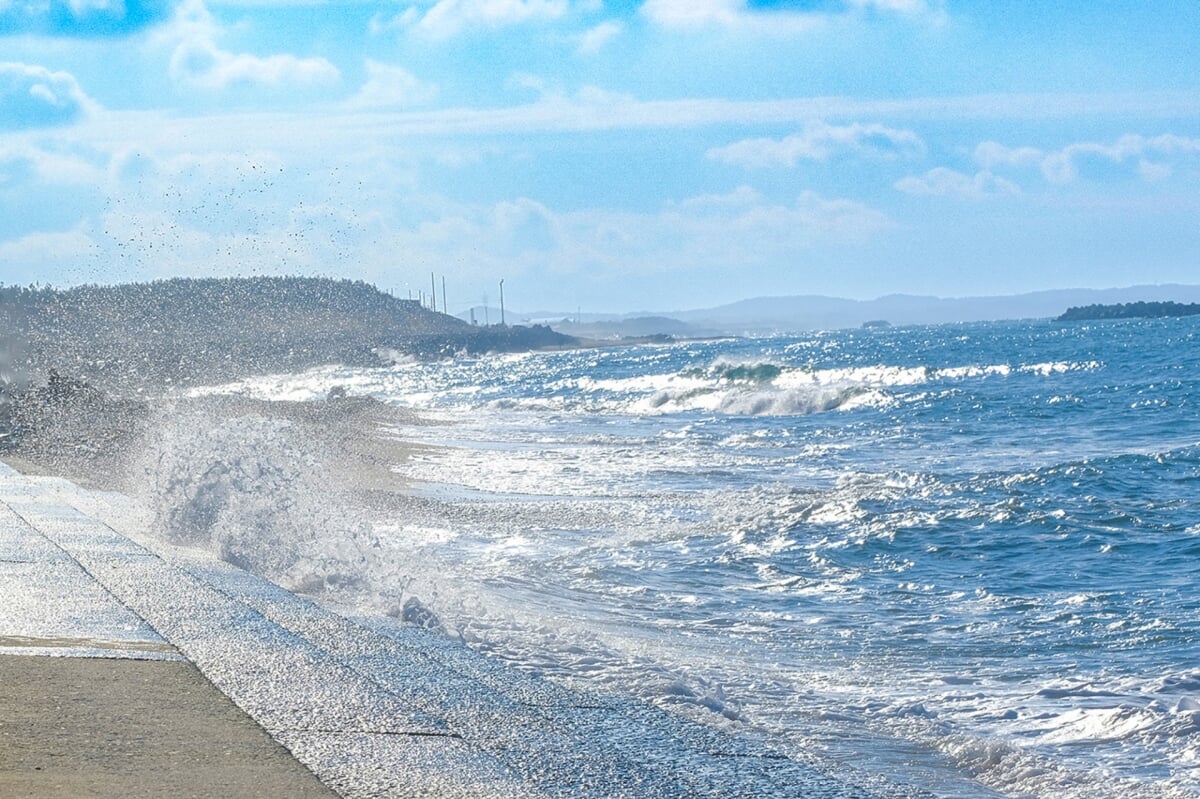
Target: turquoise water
x=962, y=557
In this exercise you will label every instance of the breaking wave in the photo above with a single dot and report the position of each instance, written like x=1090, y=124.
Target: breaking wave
x=269, y=495
x=979, y=587
x=726, y=385
x=249, y=489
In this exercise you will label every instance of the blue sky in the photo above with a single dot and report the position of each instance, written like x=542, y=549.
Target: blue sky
x=609, y=156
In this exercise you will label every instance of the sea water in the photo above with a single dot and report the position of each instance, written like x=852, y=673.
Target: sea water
x=962, y=557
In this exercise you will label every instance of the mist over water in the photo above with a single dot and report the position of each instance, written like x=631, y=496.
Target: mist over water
x=957, y=556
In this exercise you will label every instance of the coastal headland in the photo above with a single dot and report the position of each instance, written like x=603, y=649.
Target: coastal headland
x=1130, y=310
x=80, y=367
x=189, y=331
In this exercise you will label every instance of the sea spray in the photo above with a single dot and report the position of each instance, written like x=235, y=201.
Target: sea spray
x=8, y=381
x=257, y=491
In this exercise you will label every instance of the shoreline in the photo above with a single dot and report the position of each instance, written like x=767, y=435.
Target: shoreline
x=385, y=709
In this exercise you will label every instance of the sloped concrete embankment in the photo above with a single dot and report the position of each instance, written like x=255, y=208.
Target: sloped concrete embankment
x=372, y=709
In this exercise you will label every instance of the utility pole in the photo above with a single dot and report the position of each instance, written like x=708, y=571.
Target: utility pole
x=501, y=302
x=444, y=295
x=433, y=293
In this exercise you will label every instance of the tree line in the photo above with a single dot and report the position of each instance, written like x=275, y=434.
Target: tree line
x=1130, y=310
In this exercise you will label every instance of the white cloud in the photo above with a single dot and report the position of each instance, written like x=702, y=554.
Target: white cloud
x=1152, y=172
x=580, y=113
x=526, y=80
x=838, y=217
x=682, y=13
x=1142, y=153
x=990, y=154
x=742, y=196
x=586, y=103
x=1063, y=166
x=943, y=182
x=449, y=17
x=739, y=14
x=820, y=142
x=174, y=200
x=52, y=167
x=514, y=237
x=701, y=234
x=33, y=97
x=895, y=6
x=595, y=39
x=50, y=249
x=389, y=86
x=199, y=62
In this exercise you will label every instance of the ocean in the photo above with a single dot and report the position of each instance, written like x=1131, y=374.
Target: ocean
x=960, y=557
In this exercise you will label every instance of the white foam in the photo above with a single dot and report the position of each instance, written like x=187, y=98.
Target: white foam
x=564, y=558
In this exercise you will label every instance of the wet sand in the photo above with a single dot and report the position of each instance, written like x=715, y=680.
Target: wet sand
x=103, y=727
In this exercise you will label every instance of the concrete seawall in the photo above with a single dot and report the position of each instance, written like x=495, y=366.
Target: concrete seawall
x=131, y=668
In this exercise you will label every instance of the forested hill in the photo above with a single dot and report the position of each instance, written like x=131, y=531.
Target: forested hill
x=202, y=330
x=1130, y=310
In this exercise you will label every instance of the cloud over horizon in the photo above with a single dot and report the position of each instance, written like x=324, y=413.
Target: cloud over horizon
x=770, y=18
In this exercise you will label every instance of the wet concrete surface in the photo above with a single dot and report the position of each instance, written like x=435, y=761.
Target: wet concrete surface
x=190, y=672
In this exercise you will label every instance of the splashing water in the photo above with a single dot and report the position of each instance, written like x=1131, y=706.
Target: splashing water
x=961, y=556
x=256, y=493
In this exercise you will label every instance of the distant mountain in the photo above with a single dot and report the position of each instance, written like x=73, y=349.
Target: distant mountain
x=593, y=326
x=484, y=315
x=766, y=315
x=632, y=327
x=814, y=312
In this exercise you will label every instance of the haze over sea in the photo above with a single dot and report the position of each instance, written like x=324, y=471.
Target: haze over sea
x=959, y=556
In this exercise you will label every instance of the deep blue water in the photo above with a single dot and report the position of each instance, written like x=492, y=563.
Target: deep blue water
x=962, y=556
